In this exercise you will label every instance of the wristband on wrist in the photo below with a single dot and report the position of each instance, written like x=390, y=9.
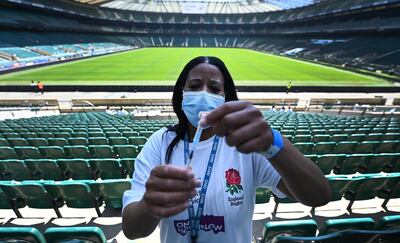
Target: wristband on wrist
x=276, y=146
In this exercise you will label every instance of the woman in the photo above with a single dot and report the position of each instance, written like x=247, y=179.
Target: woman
x=213, y=201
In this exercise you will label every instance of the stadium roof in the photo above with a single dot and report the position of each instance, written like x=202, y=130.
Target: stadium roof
x=201, y=6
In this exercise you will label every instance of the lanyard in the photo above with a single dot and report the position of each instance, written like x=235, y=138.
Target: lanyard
x=195, y=221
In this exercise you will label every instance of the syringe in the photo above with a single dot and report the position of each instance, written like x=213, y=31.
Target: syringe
x=196, y=139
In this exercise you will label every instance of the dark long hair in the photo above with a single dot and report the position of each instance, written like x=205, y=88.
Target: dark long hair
x=182, y=127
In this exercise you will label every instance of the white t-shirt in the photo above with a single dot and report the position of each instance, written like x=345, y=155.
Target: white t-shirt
x=230, y=198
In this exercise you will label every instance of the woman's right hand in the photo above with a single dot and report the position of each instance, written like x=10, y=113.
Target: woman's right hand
x=169, y=189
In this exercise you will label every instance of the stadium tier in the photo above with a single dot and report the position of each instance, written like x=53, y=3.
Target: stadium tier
x=359, y=34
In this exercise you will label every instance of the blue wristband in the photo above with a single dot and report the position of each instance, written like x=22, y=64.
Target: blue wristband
x=276, y=146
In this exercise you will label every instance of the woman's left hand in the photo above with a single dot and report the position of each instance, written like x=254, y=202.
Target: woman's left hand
x=242, y=124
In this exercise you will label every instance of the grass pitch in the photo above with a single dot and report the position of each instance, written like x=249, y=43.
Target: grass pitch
x=161, y=66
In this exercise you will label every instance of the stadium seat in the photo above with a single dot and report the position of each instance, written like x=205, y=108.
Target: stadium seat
x=98, y=141
x=17, y=142
x=45, y=135
x=11, y=135
x=27, y=135
x=110, y=134
x=32, y=194
x=306, y=227
x=305, y=148
x=79, y=135
x=36, y=142
x=334, y=225
x=339, y=185
x=302, y=138
x=21, y=234
x=106, y=168
x=58, y=141
x=53, y=152
x=357, y=137
x=118, y=141
x=27, y=152
x=64, y=135
x=324, y=147
x=367, y=147
x=329, y=162
x=320, y=138
x=128, y=166
x=263, y=195
x=368, y=186
x=101, y=151
x=339, y=137
x=44, y=169
x=4, y=142
x=77, y=152
x=110, y=191
x=388, y=146
x=346, y=147
x=383, y=162
x=137, y=140
x=77, y=169
x=130, y=134
x=13, y=169
x=96, y=134
x=354, y=163
x=75, y=194
x=75, y=234
x=126, y=151
x=78, y=141
x=388, y=222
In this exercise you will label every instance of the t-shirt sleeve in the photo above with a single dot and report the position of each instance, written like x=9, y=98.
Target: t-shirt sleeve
x=148, y=158
x=265, y=175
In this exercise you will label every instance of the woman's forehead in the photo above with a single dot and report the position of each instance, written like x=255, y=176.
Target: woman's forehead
x=207, y=70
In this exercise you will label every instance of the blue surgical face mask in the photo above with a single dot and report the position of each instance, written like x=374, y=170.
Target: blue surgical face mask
x=194, y=102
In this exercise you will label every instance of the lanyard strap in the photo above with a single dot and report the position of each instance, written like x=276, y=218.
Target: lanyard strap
x=195, y=220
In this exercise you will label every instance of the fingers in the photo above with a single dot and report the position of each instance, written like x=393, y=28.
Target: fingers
x=228, y=107
x=247, y=132
x=171, y=171
x=164, y=184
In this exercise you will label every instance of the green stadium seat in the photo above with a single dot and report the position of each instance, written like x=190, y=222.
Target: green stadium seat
x=118, y=141
x=368, y=186
x=126, y=151
x=36, y=142
x=391, y=190
x=28, y=152
x=7, y=153
x=44, y=169
x=113, y=134
x=324, y=147
x=77, y=169
x=79, y=135
x=146, y=134
x=78, y=141
x=45, y=135
x=61, y=142
x=339, y=185
x=77, y=152
x=64, y=135
x=388, y=222
x=11, y=135
x=390, y=136
x=98, y=141
x=130, y=134
x=306, y=227
x=305, y=148
x=263, y=195
x=346, y=147
x=27, y=135
x=128, y=166
x=302, y=138
x=334, y=225
x=137, y=140
x=373, y=137
x=75, y=234
x=13, y=169
x=53, y=152
x=21, y=234
x=101, y=151
x=358, y=137
x=354, y=163
x=74, y=193
x=334, y=131
x=329, y=162
x=367, y=147
x=97, y=134
x=383, y=162
x=4, y=142
x=339, y=138
x=107, y=168
x=388, y=146
x=32, y=194
x=17, y=142
x=110, y=191
x=320, y=138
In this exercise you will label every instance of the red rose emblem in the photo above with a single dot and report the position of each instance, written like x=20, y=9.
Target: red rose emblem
x=232, y=177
